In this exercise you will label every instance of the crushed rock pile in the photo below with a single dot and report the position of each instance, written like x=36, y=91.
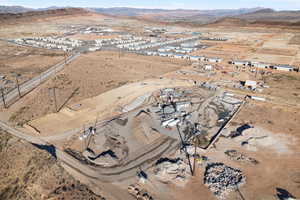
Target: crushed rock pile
x=222, y=179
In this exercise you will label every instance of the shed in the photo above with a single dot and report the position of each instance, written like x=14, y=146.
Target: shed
x=251, y=84
x=195, y=58
x=216, y=60
x=287, y=68
x=240, y=62
x=208, y=67
x=260, y=65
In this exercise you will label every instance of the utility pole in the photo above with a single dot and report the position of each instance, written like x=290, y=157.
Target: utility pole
x=54, y=95
x=55, y=102
x=18, y=86
x=196, y=143
x=3, y=98
x=84, y=140
x=256, y=71
x=16, y=75
x=185, y=150
x=65, y=55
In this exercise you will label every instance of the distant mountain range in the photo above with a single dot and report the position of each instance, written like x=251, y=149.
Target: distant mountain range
x=124, y=11
x=14, y=9
x=183, y=16
x=271, y=15
x=21, y=9
x=32, y=15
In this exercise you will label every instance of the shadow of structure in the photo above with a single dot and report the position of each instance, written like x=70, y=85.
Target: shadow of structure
x=161, y=160
x=239, y=131
x=242, y=128
x=105, y=153
x=49, y=148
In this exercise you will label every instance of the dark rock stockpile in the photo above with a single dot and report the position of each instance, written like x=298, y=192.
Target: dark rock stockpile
x=222, y=179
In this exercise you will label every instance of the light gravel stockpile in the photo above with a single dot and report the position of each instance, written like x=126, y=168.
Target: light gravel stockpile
x=171, y=170
x=222, y=179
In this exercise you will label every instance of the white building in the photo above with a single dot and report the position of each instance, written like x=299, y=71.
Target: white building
x=260, y=65
x=208, y=67
x=240, y=62
x=214, y=60
x=250, y=84
x=286, y=68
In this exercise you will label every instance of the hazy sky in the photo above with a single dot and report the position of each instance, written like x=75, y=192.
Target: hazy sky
x=166, y=4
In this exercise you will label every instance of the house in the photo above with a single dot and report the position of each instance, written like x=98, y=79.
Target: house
x=189, y=45
x=195, y=58
x=250, y=84
x=215, y=60
x=162, y=50
x=171, y=55
x=208, y=67
x=186, y=57
x=260, y=65
x=163, y=54
x=240, y=63
x=286, y=68
x=202, y=58
x=179, y=56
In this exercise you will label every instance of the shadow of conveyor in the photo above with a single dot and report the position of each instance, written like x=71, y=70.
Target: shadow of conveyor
x=105, y=153
x=49, y=148
x=283, y=194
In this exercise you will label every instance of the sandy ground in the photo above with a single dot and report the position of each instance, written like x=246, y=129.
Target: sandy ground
x=25, y=61
x=90, y=109
x=35, y=174
x=278, y=48
x=92, y=74
x=92, y=36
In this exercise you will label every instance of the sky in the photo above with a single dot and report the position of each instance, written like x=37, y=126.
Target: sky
x=165, y=4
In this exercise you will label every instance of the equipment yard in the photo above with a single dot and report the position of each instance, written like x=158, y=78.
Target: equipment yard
x=138, y=110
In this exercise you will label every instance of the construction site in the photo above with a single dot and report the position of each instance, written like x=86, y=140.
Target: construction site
x=136, y=110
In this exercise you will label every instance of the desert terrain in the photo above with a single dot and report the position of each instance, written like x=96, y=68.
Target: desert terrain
x=114, y=107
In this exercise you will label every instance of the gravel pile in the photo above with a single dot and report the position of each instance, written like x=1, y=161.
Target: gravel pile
x=168, y=170
x=222, y=179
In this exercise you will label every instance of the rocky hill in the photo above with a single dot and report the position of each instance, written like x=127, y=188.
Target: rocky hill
x=32, y=15
x=29, y=173
x=265, y=17
x=272, y=16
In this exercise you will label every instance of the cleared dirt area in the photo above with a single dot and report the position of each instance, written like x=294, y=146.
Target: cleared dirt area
x=229, y=51
x=284, y=52
x=285, y=87
x=92, y=36
x=278, y=119
x=295, y=40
